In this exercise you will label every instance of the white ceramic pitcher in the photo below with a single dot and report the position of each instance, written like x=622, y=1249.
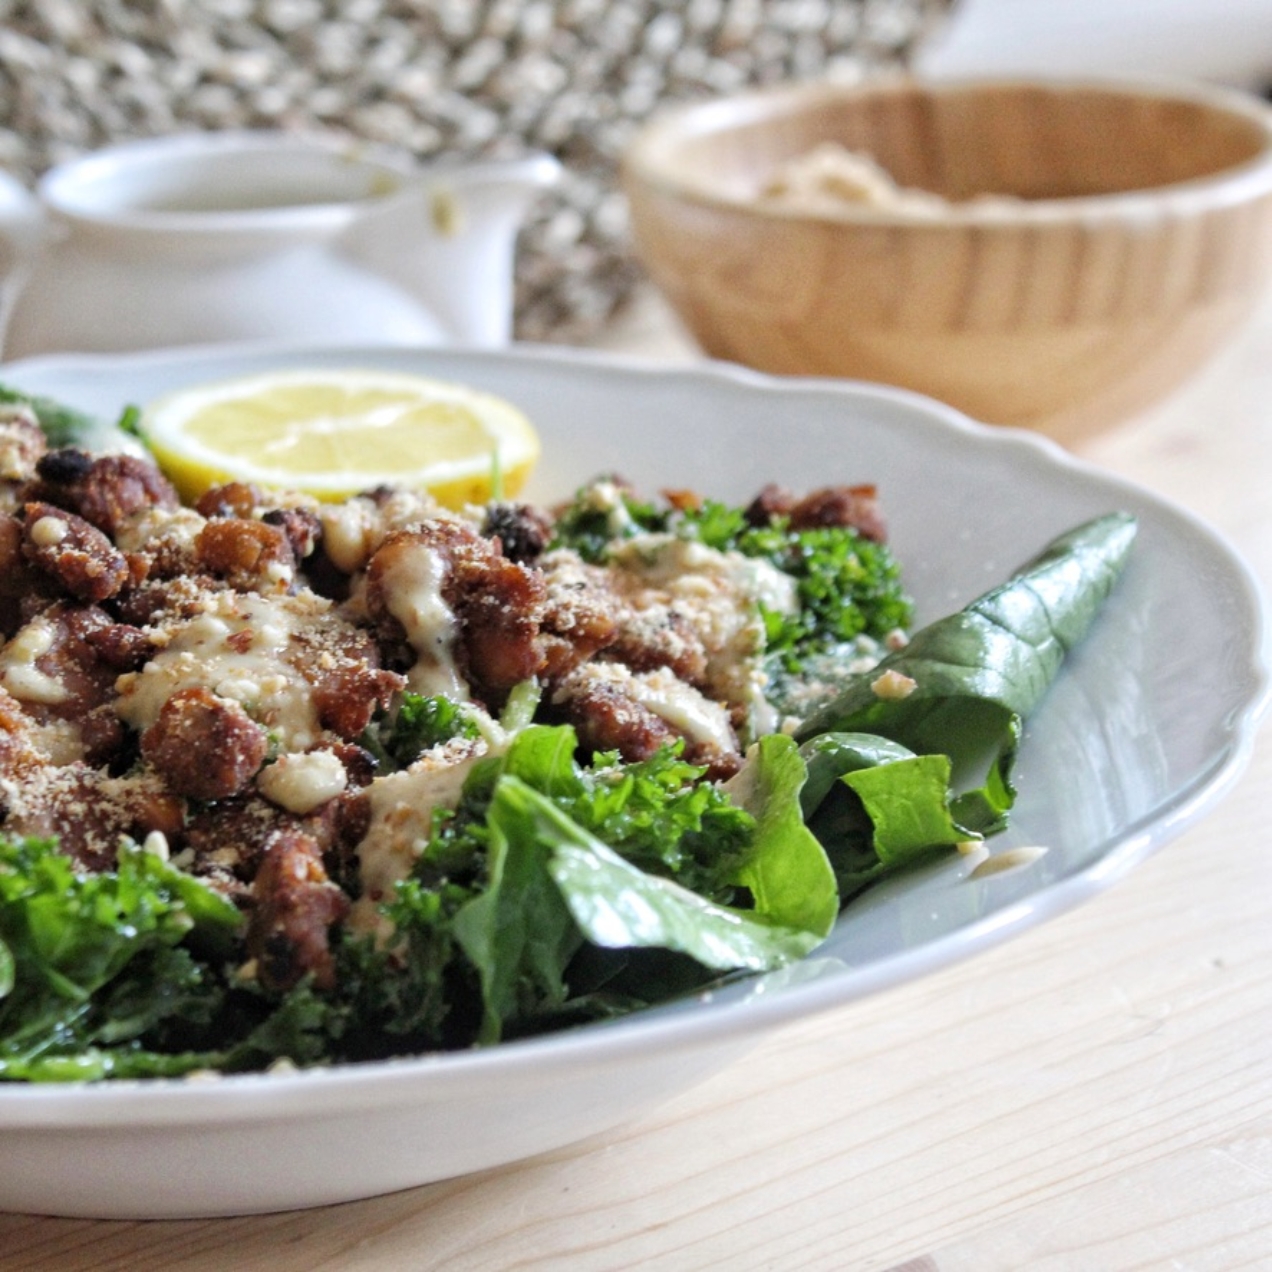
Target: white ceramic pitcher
x=242, y=236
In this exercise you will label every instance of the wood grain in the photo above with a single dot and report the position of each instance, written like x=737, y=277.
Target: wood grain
x=1096, y=1094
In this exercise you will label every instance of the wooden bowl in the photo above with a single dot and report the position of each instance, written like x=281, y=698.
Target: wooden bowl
x=1137, y=235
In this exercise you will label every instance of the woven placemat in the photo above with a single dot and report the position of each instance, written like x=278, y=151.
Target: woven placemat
x=465, y=78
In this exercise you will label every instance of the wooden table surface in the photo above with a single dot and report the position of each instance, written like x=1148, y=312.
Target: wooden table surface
x=1093, y=1095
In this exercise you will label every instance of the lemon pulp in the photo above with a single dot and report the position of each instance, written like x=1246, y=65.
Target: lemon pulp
x=333, y=433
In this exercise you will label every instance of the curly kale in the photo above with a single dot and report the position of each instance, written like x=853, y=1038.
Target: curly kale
x=846, y=585
x=417, y=724
x=600, y=514
x=97, y=969
x=657, y=813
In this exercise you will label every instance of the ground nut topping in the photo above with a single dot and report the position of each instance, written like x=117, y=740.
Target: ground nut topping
x=893, y=686
x=830, y=178
x=685, y=709
x=174, y=528
x=719, y=594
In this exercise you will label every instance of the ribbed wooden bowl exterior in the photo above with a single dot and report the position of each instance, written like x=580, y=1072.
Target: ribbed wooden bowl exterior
x=1146, y=239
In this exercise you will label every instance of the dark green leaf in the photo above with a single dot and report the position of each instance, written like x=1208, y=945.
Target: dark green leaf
x=978, y=673
x=830, y=755
x=846, y=585
x=518, y=933
x=417, y=724
x=93, y=957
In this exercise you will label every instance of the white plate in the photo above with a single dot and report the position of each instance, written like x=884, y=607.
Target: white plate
x=1149, y=724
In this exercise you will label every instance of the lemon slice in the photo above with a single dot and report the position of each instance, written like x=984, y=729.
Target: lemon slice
x=331, y=433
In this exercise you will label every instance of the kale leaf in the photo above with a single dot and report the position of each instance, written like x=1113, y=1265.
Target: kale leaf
x=929, y=762
x=93, y=963
x=601, y=513
x=846, y=585
x=417, y=724
x=552, y=879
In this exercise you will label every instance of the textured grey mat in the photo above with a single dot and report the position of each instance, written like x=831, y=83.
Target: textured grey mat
x=448, y=77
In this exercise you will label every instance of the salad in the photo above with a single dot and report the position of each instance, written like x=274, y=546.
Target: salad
x=291, y=783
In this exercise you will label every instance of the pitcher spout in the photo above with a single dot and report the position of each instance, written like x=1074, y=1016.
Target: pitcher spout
x=449, y=241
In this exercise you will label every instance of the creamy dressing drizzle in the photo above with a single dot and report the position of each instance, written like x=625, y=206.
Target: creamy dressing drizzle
x=237, y=649
x=402, y=807
x=21, y=676
x=412, y=586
